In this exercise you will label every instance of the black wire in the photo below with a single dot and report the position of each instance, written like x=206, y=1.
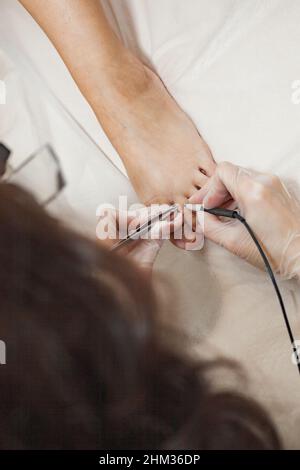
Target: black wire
x=235, y=215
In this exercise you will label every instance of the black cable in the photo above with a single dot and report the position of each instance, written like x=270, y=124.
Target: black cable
x=219, y=212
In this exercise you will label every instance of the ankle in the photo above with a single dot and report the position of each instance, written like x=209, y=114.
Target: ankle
x=125, y=81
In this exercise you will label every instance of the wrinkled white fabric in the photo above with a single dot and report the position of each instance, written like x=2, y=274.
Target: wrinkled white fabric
x=232, y=65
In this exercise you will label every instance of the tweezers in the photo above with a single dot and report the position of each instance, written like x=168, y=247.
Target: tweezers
x=145, y=227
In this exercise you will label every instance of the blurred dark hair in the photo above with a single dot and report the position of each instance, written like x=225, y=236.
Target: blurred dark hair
x=87, y=367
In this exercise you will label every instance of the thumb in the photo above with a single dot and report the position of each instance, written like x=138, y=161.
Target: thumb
x=145, y=252
x=220, y=188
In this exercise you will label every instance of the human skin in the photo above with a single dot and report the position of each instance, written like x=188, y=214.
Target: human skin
x=165, y=157
x=273, y=214
x=271, y=211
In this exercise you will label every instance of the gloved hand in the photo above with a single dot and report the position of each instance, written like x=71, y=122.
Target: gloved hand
x=143, y=250
x=267, y=206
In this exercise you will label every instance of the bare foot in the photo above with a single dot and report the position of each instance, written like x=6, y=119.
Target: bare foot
x=164, y=155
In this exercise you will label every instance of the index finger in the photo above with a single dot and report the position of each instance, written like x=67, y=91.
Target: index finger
x=220, y=188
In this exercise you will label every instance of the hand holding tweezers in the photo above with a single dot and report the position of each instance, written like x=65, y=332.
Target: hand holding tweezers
x=146, y=226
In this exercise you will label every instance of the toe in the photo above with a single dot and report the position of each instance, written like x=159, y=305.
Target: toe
x=200, y=178
x=192, y=190
x=181, y=198
x=206, y=162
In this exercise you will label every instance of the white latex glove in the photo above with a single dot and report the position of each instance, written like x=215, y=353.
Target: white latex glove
x=267, y=206
x=143, y=250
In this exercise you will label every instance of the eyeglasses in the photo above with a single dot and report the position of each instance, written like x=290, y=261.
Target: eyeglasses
x=41, y=174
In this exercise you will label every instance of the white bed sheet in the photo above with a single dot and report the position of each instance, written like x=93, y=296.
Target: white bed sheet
x=231, y=65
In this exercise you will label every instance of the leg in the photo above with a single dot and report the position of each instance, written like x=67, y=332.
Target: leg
x=165, y=157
